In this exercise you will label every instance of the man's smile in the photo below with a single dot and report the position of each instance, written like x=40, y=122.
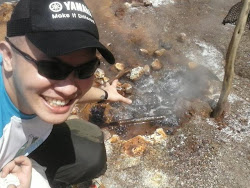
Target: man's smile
x=56, y=102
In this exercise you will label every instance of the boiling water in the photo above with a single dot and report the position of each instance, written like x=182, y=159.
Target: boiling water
x=158, y=95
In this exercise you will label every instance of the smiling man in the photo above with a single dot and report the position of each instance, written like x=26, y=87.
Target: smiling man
x=48, y=60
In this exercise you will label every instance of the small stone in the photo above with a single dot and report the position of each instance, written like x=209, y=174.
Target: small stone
x=109, y=44
x=147, y=70
x=127, y=5
x=136, y=73
x=160, y=52
x=135, y=146
x=99, y=73
x=137, y=151
x=115, y=138
x=161, y=132
x=166, y=45
x=99, y=81
x=214, y=88
x=119, y=86
x=136, y=4
x=105, y=79
x=182, y=37
x=201, y=108
x=120, y=66
x=192, y=65
x=156, y=65
x=147, y=3
x=159, y=137
x=144, y=51
x=75, y=110
x=127, y=88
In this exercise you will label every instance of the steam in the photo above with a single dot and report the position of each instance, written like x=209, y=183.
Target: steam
x=208, y=56
x=158, y=94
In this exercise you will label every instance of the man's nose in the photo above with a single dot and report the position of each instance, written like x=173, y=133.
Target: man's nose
x=68, y=86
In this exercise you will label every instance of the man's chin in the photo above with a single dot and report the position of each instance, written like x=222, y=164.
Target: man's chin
x=55, y=119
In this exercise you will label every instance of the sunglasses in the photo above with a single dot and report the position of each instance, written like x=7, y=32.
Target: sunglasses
x=55, y=69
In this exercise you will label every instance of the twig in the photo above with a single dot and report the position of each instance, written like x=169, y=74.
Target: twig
x=120, y=74
x=137, y=120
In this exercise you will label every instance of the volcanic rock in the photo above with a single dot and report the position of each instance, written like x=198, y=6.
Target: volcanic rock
x=136, y=73
x=144, y=51
x=99, y=73
x=120, y=66
x=127, y=88
x=147, y=69
x=156, y=65
x=192, y=65
x=182, y=37
x=160, y=52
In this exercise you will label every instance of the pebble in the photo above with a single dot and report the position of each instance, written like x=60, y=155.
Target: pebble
x=120, y=66
x=99, y=73
x=99, y=81
x=127, y=88
x=115, y=138
x=156, y=65
x=166, y=45
x=135, y=146
x=192, y=65
x=160, y=52
x=136, y=73
x=182, y=37
x=105, y=79
x=147, y=70
x=144, y=51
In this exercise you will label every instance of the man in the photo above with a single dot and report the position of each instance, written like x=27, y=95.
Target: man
x=48, y=62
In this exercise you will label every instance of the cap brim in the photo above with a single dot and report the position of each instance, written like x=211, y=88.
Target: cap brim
x=59, y=43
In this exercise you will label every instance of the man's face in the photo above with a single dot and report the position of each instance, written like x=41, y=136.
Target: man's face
x=51, y=100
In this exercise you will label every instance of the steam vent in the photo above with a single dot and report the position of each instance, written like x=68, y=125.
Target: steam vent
x=170, y=58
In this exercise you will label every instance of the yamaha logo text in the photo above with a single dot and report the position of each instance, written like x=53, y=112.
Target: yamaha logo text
x=70, y=9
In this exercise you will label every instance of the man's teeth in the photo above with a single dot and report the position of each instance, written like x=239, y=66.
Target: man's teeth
x=56, y=102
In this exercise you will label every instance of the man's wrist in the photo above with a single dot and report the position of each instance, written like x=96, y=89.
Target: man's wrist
x=103, y=97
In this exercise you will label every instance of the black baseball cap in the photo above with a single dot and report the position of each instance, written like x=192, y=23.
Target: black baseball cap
x=57, y=27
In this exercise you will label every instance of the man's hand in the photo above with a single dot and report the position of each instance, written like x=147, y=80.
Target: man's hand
x=113, y=95
x=21, y=167
x=95, y=94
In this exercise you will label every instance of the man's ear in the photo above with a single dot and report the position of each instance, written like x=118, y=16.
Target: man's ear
x=6, y=52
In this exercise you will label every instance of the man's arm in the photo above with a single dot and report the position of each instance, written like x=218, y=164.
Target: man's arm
x=97, y=94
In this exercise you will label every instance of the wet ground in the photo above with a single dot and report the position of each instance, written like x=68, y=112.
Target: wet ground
x=192, y=150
